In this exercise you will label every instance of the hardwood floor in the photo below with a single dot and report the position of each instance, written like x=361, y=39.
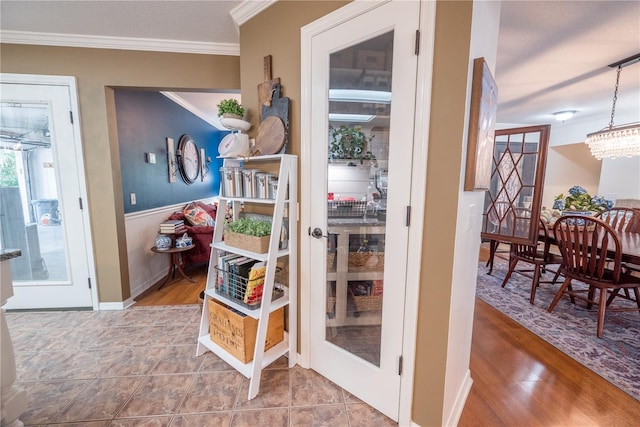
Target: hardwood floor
x=178, y=292
x=519, y=379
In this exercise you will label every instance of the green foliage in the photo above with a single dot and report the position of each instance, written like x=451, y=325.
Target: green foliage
x=350, y=143
x=252, y=227
x=8, y=172
x=230, y=106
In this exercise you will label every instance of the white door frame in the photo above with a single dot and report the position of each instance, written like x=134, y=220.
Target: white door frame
x=418, y=185
x=70, y=82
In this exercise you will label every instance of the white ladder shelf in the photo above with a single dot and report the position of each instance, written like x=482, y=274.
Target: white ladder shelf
x=287, y=178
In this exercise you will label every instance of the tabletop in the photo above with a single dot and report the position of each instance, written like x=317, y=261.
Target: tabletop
x=630, y=243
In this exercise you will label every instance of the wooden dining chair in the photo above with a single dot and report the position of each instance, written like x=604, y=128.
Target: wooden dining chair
x=591, y=253
x=620, y=219
x=625, y=220
x=537, y=256
x=496, y=218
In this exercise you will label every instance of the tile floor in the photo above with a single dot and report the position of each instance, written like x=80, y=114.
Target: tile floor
x=138, y=367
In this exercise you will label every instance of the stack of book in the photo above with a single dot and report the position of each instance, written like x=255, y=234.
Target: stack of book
x=173, y=226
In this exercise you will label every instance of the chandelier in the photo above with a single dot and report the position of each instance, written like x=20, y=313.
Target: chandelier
x=616, y=141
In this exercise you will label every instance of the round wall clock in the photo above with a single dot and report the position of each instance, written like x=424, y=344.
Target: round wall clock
x=188, y=159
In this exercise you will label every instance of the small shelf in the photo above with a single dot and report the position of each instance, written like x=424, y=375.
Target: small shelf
x=255, y=313
x=260, y=257
x=246, y=369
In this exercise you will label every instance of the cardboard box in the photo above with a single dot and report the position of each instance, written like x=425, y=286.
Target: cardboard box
x=236, y=332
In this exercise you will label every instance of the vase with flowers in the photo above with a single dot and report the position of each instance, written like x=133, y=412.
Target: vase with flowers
x=579, y=201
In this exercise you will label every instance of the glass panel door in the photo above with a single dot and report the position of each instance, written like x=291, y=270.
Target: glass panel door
x=31, y=219
x=361, y=148
x=41, y=177
x=357, y=179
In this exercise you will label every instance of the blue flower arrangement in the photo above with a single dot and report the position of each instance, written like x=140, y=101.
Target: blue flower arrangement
x=579, y=200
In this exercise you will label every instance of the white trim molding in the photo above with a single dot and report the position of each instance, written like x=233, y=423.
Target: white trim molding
x=122, y=43
x=247, y=10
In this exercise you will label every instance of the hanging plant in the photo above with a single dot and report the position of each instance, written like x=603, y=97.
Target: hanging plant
x=350, y=143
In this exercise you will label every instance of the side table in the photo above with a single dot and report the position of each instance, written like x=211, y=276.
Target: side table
x=174, y=263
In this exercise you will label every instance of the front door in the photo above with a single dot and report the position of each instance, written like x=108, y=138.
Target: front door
x=362, y=121
x=40, y=196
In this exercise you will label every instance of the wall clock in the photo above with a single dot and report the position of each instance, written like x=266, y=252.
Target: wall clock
x=188, y=159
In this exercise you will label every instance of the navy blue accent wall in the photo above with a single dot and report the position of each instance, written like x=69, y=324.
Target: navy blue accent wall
x=145, y=119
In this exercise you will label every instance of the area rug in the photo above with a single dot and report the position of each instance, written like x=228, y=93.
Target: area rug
x=570, y=328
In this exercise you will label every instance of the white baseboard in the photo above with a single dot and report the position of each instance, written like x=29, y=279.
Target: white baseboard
x=115, y=306
x=461, y=399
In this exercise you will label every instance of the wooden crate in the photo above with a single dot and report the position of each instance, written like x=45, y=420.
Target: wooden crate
x=236, y=332
x=259, y=245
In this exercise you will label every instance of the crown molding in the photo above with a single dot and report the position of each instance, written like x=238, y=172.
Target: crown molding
x=247, y=10
x=123, y=43
x=215, y=122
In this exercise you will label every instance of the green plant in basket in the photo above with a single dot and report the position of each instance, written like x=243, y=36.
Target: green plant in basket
x=251, y=227
x=230, y=107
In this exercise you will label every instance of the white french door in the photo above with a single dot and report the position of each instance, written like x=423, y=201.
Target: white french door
x=43, y=192
x=363, y=74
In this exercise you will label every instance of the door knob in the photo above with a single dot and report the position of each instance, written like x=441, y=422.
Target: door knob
x=317, y=233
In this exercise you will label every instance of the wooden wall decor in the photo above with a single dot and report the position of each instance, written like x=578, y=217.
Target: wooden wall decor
x=482, y=121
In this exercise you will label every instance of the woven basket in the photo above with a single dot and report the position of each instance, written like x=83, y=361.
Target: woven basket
x=367, y=303
x=366, y=261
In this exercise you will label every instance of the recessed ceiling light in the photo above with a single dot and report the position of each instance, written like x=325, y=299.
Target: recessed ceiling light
x=561, y=116
x=357, y=95
x=338, y=117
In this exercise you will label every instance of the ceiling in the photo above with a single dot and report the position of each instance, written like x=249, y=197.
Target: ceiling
x=552, y=56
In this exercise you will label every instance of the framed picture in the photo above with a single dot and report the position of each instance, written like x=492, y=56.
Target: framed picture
x=482, y=124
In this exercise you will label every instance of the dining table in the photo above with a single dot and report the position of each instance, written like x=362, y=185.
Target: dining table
x=629, y=244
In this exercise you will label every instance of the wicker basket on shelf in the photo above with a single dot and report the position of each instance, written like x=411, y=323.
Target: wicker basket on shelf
x=367, y=303
x=366, y=261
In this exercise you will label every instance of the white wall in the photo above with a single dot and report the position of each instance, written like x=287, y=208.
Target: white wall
x=620, y=178
x=569, y=165
x=484, y=36
x=146, y=267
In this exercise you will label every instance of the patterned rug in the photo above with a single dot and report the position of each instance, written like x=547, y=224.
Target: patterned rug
x=570, y=328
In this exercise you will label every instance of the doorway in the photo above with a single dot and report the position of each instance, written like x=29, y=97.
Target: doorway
x=43, y=192
x=362, y=90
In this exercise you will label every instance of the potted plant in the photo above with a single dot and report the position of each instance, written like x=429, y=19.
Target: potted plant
x=249, y=234
x=350, y=143
x=230, y=108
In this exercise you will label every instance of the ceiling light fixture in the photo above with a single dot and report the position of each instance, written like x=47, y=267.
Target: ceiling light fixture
x=339, y=117
x=616, y=141
x=561, y=116
x=358, y=95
